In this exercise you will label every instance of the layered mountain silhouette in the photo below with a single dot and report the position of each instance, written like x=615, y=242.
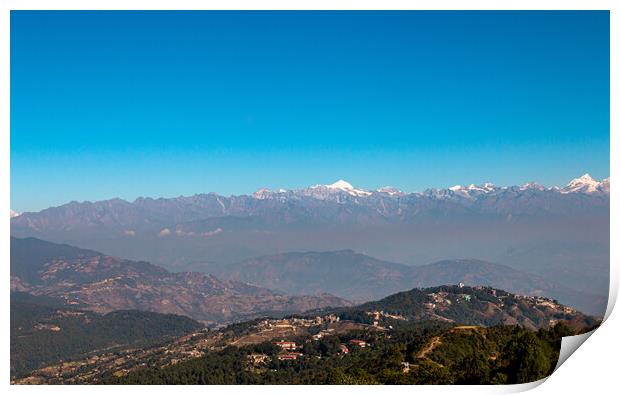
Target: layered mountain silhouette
x=335, y=203
x=101, y=283
x=358, y=277
x=560, y=234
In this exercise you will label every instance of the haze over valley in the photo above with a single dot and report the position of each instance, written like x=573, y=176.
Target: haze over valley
x=556, y=238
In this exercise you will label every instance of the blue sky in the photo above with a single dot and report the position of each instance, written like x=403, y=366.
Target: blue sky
x=128, y=104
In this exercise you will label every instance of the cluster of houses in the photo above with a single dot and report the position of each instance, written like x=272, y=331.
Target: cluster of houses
x=377, y=315
x=291, y=349
x=358, y=343
x=552, y=304
x=437, y=299
x=323, y=333
x=257, y=359
x=286, y=345
x=441, y=299
x=290, y=356
x=47, y=327
x=298, y=322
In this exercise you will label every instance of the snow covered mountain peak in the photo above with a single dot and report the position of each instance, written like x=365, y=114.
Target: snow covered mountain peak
x=486, y=187
x=585, y=184
x=262, y=193
x=341, y=184
x=473, y=190
x=584, y=179
x=342, y=191
x=14, y=214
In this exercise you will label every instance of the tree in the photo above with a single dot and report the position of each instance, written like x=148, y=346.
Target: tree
x=473, y=369
x=526, y=359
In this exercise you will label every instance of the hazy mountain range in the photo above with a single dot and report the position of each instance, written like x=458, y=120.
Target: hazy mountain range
x=284, y=283
x=361, y=278
x=557, y=233
x=91, y=280
x=72, y=304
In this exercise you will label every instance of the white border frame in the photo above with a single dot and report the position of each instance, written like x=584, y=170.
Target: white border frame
x=574, y=377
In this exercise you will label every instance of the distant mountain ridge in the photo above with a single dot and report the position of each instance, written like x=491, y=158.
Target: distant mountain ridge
x=358, y=277
x=344, y=272
x=559, y=234
x=584, y=184
x=149, y=212
x=103, y=283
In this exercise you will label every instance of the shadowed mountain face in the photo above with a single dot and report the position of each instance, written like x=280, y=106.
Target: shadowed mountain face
x=44, y=333
x=559, y=234
x=360, y=278
x=103, y=283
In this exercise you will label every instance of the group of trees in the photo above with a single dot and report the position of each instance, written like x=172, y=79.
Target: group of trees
x=496, y=355
x=82, y=332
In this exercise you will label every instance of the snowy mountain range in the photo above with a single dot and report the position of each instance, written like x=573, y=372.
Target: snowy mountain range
x=587, y=184
x=342, y=189
x=584, y=184
x=557, y=233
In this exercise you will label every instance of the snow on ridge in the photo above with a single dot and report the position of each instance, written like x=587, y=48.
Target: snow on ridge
x=391, y=191
x=583, y=184
x=340, y=184
x=586, y=184
x=262, y=193
x=532, y=185
x=343, y=186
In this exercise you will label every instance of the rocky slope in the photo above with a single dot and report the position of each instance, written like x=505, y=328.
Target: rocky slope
x=103, y=283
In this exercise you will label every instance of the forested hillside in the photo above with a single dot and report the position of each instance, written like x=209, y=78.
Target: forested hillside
x=42, y=335
x=413, y=355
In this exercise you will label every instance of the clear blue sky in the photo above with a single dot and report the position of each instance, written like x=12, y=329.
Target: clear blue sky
x=128, y=104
